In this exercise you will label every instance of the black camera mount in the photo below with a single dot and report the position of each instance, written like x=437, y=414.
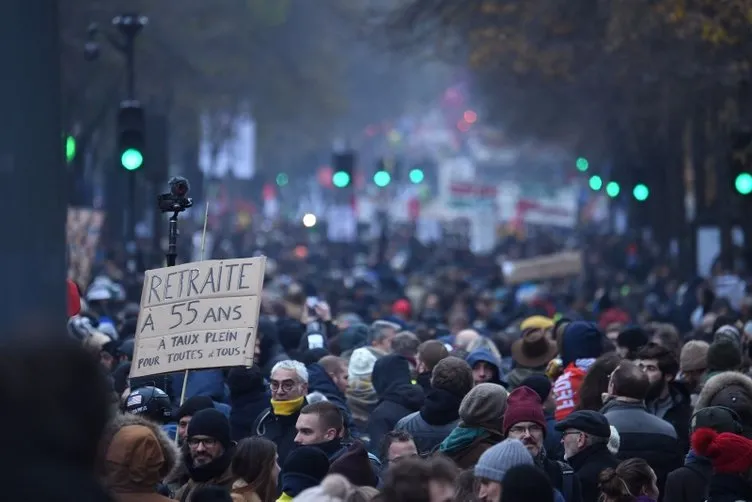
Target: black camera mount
x=175, y=201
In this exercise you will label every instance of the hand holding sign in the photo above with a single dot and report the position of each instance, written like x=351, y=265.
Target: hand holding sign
x=198, y=315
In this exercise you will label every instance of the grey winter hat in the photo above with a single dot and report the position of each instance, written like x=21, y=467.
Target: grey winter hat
x=497, y=460
x=484, y=405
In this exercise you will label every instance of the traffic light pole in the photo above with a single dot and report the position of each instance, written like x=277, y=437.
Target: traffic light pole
x=130, y=25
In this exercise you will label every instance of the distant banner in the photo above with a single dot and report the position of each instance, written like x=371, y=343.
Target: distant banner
x=82, y=231
x=553, y=266
x=198, y=315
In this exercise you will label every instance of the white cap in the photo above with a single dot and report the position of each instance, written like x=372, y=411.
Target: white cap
x=361, y=363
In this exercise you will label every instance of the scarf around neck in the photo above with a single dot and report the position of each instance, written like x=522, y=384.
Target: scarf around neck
x=287, y=408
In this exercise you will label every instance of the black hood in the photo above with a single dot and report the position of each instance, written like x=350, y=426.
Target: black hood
x=440, y=407
x=391, y=381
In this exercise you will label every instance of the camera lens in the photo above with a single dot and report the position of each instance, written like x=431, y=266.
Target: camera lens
x=179, y=186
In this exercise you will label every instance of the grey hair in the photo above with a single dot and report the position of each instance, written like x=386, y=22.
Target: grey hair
x=378, y=329
x=296, y=366
x=406, y=344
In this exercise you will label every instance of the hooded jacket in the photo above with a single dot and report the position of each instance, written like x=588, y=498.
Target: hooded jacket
x=320, y=381
x=483, y=355
x=733, y=390
x=137, y=455
x=398, y=397
x=436, y=419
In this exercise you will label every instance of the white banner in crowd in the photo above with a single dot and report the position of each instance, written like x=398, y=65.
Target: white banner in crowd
x=198, y=315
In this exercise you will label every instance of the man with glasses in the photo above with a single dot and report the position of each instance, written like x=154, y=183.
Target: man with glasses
x=524, y=420
x=585, y=436
x=289, y=387
x=207, y=452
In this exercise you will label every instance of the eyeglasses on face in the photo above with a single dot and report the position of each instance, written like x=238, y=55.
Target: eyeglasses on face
x=285, y=385
x=207, y=442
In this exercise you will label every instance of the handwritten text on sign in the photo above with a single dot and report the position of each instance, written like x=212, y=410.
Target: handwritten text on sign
x=198, y=315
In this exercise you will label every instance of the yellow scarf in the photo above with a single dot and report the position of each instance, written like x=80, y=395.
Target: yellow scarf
x=287, y=408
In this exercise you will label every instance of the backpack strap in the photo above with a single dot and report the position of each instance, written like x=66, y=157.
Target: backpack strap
x=567, y=478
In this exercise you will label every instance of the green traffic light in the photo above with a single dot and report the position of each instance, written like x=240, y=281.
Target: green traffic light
x=282, y=179
x=417, y=176
x=595, y=182
x=131, y=159
x=582, y=164
x=70, y=148
x=640, y=192
x=382, y=178
x=341, y=179
x=743, y=183
x=613, y=189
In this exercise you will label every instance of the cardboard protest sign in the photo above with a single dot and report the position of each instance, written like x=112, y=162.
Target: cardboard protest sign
x=553, y=266
x=198, y=315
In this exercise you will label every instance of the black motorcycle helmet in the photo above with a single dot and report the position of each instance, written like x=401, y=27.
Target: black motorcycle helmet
x=149, y=402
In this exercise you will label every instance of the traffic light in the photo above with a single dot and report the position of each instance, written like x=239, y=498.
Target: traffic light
x=743, y=183
x=613, y=189
x=70, y=149
x=343, y=164
x=595, y=182
x=582, y=164
x=417, y=175
x=282, y=179
x=382, y=178
x=641, y=192
x=130, y=130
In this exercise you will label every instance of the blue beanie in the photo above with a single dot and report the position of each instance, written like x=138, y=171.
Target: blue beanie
x=497, y=460
x=581, y=340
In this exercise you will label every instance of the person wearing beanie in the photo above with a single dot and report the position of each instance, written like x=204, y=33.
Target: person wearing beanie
x=398, y=397
x=360, y=395
x=542, y=386
x=524, y=420
x=527, y=483
x=580, y=344
x=355, y=466
x=723, y=355
x=249, y=397
x=207, y=452
x=184, y=414
x=305, y=467
x=479, y=428
x=690, y=482
x=731, y=456
x=494, y=464
x=732, y=390
x=693, y=363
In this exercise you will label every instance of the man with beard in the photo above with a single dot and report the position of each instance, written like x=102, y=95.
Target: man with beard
x=641, y=433
x=666, y=398
x=207, y=452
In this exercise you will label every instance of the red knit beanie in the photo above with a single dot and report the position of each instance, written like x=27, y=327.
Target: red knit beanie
x=729, y=453
x=523, y=405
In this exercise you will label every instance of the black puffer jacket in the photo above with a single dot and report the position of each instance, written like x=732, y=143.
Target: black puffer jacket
x=398, y=397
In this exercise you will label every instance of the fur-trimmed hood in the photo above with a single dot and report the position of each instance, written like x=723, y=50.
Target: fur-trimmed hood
x=137, y=458
x=711, y=394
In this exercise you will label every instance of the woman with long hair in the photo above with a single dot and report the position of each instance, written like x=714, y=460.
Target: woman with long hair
x=632, y=480
x=256, y=470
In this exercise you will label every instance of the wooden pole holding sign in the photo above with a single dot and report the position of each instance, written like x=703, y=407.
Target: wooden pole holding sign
x=203, y=249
